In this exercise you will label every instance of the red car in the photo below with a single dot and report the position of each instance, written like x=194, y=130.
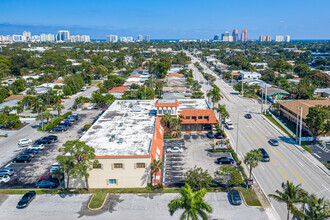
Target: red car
x=47, y=176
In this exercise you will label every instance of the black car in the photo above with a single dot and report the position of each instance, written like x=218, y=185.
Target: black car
x=235, y=197
x=248, y=116
x=225, y=160
x=31, y=152
x=48, y=183
x=207, y=127
x=52, y=137
x=210, y=135
x=219, y=135
x=265, y=157
x=42, y=141
x=26, y=199
x=23, y=158
x=75, y=116
x=273, y=142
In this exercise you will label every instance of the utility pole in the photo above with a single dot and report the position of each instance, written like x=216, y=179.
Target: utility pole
x=232, y=79
x=301, y=111
x=237, y=135
x=262, y=101
x=297, y=124
x=42, y=118
x=242, y=88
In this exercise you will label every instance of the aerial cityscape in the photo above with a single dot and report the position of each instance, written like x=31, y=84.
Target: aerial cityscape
x=165, y=110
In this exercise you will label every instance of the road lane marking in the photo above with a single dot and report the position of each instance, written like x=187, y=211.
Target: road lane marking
x=300, y=163
x=286, y=162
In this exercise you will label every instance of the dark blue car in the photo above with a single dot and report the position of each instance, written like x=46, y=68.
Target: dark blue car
x=50, y=183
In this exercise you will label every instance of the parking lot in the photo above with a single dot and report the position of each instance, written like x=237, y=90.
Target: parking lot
x=119, y=206
x=27, y=174
x=196, y=152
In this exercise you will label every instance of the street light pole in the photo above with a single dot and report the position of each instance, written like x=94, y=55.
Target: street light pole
x=237, y=135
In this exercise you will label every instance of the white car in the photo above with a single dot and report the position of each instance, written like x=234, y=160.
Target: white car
x=4, y=179
x=174, y=150
x=55, y=166
x=90, y=107
x=229, y=125
x=37, y=146
x=24, y=142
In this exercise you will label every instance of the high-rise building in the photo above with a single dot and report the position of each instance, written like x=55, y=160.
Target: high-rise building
x=279, y=38
x=140, y=38
x=129, y=39
x=235, y=35
x=262, y=38
x=147, y=38
x=62, y=36
x=244, y=36
x=216, y=37
x=268, y=38
x=112, y=38
x=18, y=38
x=123, y=39
x=35, y=38
x=287, y=38
x=26, y=35
x=46, y=37
x=226, y=37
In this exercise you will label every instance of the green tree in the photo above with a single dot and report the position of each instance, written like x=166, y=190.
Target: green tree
x=192, y=203
x=228, y=176
x=7, y=109
x=252, y=159
x=166, y=120
x=302, y=70
x=67, y=91
x=58, y=174
x=67, y=163
x=198, y=178
x=291, y=195
x=58, y=107
x=47, y=116
x=215, y=95
x=155, y=166
x=317, y=120
x=315, y=208
x=84, y=158
x=9, y=121
x=162, y=68
x=220, y=110
x=101, y=71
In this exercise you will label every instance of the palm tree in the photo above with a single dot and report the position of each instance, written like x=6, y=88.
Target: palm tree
x=58, y=174
x=6, y=110
x=18, y=109
x=252, y=159
x=166, y=119
x=192, y=203
x=224, y=115
x=155, y=165
x=214, y=94
x=58, y=107
x=292, y=194
x=220, y=109
x=315, y=208
x=47, y=116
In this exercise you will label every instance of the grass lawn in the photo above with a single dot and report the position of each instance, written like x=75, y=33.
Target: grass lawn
x=278, y=125
x=97, y=199
x=250, y=197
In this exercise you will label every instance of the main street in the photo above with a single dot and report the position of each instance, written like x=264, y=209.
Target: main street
x=288, y=161
x=8, y=146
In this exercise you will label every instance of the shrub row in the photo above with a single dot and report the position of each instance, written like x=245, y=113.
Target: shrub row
x=56, y=121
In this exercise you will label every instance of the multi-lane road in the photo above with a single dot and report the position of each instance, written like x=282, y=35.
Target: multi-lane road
x=288, y=161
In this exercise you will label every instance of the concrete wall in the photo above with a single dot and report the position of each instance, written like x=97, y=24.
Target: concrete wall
x=127, y=177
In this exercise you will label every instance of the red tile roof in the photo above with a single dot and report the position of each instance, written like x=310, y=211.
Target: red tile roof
x=17, y=97
x=167, y=104
x=212, y=119
x=119, y=89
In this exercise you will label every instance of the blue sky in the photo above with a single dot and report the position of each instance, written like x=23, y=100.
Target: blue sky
x=168, y=19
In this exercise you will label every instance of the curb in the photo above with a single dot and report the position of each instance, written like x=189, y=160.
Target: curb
x=105, y=199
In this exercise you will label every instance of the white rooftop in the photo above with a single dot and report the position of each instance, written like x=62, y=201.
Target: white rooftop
x=127, y=126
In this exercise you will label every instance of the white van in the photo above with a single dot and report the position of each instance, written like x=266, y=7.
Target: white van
x=229, y=124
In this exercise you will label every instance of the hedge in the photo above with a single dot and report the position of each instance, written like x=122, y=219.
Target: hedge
x=56, y=121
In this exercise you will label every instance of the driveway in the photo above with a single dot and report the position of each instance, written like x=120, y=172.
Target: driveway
x=119, y=206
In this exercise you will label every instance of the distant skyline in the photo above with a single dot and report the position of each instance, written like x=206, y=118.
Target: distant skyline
x=193, y=19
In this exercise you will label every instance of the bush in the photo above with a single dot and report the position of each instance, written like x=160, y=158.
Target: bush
x=243, y=171
x=86, y=127
x=160, y=186
x=168, y=137
x=18, y=124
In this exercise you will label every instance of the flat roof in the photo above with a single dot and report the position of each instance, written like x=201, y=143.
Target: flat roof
x=125, y=128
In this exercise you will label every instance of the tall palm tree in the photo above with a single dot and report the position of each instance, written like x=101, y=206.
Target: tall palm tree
x=214, y=94
x=47, y=116
x=18, y=109
x=220, y=109
x=192, y=203
x=58, y=107
x=6, y=110
x=224, y=115
x=315, y=208
x=291, y=195
x=252, y=159
x=166, y=119
x=155, y=165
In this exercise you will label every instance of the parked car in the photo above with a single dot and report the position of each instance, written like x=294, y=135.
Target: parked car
x=248, y=116
x=31, y=152
x=52, y=137
x=65, y=123
x=60, y=128
x=273, y=142
x=210, y=135
x=265, y=156
x=225, y=160
x=23, y=158
x=4, y=178
x=42, y=141
x=50, y=183
x=235, y=197
x=24, y=142
x=219, y=135
x=174, y=150
x=47, y=176
x=7, y=171
x=26, y=199
x=75, y=116
x=37, y=146
x=207, y=127
x=68, y=119
x=55, y=166
x=90, y=107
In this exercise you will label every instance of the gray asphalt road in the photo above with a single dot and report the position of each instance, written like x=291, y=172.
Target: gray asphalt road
x=118, y=206
x=288, y=162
